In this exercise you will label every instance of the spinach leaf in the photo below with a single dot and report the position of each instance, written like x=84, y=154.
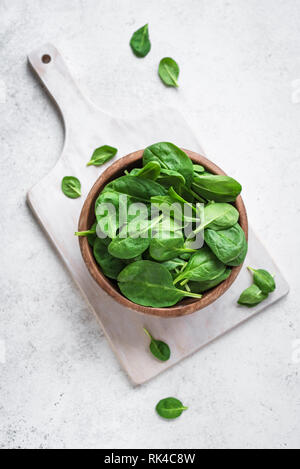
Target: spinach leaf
x=165, y=246
x=198, y=168
x=252, y=296
x=166, y=224
x=140, y=42
x=159, y=349
x=138, y=188
x=161, y=199
x=110, y=266
x=228, y=244
x=168, y=71
x=112, y=219
x=131, y=246
x=242, y=255
x=71, y=187
x=263, y=279
x=128, y=248
x=101, y=155
x=107, y=218
x=216, y=187
x=201, y=287
x=202, y=266
x=173, y=194
x=218, y=216
x=186, y=256
x=170, y=408
x=148, y=283
x=167, y=206
x=188, y=194
x=150, y=171
x=169, y=156
x=173, y=264
x=170, y=178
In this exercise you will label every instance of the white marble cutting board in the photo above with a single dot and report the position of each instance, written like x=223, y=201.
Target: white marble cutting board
x=87, y=127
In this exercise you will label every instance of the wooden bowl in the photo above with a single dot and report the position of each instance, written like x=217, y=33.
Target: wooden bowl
x=87, y=217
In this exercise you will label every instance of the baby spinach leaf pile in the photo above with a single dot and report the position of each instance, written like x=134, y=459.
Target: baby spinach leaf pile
x=160, y=270
x=263, y=284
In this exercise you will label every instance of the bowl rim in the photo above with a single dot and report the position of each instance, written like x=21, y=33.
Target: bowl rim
x=184, y=307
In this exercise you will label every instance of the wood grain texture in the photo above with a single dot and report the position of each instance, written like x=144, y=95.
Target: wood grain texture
x=87, y=218
x=87, y=128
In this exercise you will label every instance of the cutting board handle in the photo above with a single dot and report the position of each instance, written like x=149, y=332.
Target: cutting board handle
x=54, y=73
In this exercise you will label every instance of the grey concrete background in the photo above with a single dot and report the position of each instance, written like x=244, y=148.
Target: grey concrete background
x=60, y=384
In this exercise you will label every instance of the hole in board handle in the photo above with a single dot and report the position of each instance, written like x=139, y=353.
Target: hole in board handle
x=46, y=59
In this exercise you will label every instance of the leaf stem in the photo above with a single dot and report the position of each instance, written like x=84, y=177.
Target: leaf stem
x=85, y=233
x=148, y=333
x=190, y=294
x=177, y=279
x=185, y=281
